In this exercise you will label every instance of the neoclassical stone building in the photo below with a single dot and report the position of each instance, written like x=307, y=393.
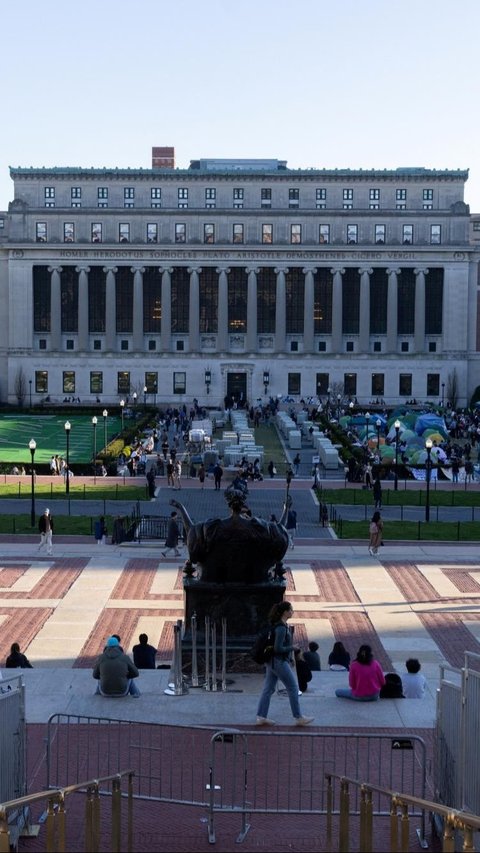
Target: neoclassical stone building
x=240, y=277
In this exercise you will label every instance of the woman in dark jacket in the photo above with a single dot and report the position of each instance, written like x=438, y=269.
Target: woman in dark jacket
x=339, y=658
x=16, y=659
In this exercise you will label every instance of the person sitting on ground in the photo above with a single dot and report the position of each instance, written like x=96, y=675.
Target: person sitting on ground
x=339, y=658
x=365, y=678
x=115, y=672
x=16, y=659
x=392, y=689
x=312, y=658
x=144, y=653
x=413, y=681
x=304, y=673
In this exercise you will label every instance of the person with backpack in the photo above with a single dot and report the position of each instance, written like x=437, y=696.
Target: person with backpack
x=280, y=667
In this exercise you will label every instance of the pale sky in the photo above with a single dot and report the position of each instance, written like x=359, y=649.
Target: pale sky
x=338, y=84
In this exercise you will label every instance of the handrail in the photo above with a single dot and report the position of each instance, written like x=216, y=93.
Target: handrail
x=56, y=814
x=454, y=819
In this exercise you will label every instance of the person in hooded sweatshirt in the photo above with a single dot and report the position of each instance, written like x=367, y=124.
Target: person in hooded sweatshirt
x=115, y=672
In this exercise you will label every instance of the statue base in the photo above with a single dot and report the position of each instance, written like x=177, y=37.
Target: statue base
x=244, y=606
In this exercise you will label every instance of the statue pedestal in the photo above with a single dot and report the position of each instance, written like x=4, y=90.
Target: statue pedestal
x=244, y=606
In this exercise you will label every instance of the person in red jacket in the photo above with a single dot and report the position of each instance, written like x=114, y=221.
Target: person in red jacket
x=365, y=678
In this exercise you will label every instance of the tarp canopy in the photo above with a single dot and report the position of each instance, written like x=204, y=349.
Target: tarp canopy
x=435, y=422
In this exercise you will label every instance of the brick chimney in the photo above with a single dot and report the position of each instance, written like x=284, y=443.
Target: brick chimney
x=163, y=158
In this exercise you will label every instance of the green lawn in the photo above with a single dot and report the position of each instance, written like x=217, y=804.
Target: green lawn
x=49, y=433
x=66, y=525
x=116, y=491
x=454, y=496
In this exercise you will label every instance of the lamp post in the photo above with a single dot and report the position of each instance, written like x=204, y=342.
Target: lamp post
x=208, y=380
x=329, y=391
x=378, y=424
x=145, y=395
x=134, y=398
x=266, y=380
x=428, y=467
x=122, y=407
x=443, y=393
x=30, y=384
x=339, y=397
x=351, y=407
x=397, y=431
x=367, y=422
x=68, y=427
x=105, y=416
x=33, y=446
x=94, y=424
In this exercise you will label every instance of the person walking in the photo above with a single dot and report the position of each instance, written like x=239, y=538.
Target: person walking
x=280, y=667
x=296, y=464
x=291, y=526
x=173, y=535
x=377, y=493
x=365, y=678
x=201, y=476
x=375, y=530
x=45, y=526
x=271, y=469
x=217, y=475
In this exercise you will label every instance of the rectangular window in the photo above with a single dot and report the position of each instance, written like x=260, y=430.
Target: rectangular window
x=378, y=384
x=267, y=233
x=210, y=194
x=407, y=234
x=293, y=198
x=238, y=194
x=128, y=193
x=182, y=194
x=374, y=206
x=476, y=225
x=152, y=345
x=400, y=195
x=348, y=195
x=155, y=193
x=349, y=347
x=322, y=346
x=400, y=207
x=151, y=381
x=68, y=232
x=295, y=233
x=76, y=204
x=404, y=346
x=350, y=384
x=152, y=232
x=347, y=206
x=129, y=204
x=266, y=197
x=179, y=382
x=124, y=345
x=76, y=192
x=428, y=195
x=41, y=381
x=180, y=232
x=324, y=234
x=209, y=233
x=379, y=233
x=352, y=233
x=68, y=381
x=102, y=193
x=97, y=344
x=42, y=343
x=124, y=232
x=96, y=232
x=49, y=204
x=405, y=384
x=320, y=194
x=435, y=234
x=102, y=204
x=238, y=233
x=41, y=232
x=433, y=384
x=377, y=346
x=49, y=192
x=123, y=382
x=428, y=207
x=323, y=384
x=374, y=195
x=294, y=383
x=180, y=346
x=432, y=346
x=182, y=205
x=96, y=382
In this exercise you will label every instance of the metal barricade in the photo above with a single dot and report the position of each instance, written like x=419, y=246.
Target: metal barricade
x=13, y=745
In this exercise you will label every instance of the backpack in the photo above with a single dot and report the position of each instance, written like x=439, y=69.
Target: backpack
x=262, y=649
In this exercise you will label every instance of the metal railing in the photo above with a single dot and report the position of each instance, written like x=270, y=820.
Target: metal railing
x=400, y=807
x=56, y=813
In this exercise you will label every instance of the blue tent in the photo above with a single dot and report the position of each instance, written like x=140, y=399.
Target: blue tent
x=435, y=422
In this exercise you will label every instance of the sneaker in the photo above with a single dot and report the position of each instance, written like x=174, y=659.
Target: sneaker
x=370, y=552
x=264, y=721
x=163, y=554
x=303, y=721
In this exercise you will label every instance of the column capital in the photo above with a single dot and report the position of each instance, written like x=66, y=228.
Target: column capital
x=82, y=269
x=190, y=270
x=367, y=270
x=55, y=269
x=137, y=269
x=341, y=270
x=393, y=271
x=420, y=270
x=110, y=269
x=278, y=270
x=165, y=269
x=256, y=270
x=219, y=270
x=309, y=269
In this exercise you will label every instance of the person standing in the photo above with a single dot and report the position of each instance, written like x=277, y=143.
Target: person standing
x=280, y=667
x=201, y=476
x=101, y=531
x=151, y=482
x=217, y=475
x=173, y=535
x=296, y=464
x=45, y=526
x=377, y=493
x=375, y=530
x=365, y=678
x=144, y=654
x=271, y=469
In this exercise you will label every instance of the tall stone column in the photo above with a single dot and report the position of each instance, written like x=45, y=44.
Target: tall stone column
x=364, y=327
x=166, y=309
x=110, y=309
x=392, y=310
x=222, y=331
x=419, y=339
x=252, y=310
x=83, y=338
x=55, y=309
x=337, y=310
x=138, y=342
x=308, y=315
x=280, y=312
x=194, y=313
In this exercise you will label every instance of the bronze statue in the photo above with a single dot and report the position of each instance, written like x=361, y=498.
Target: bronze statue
x=239, y=549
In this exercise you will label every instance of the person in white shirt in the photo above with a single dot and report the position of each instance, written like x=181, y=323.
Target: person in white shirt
x=413, y=681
